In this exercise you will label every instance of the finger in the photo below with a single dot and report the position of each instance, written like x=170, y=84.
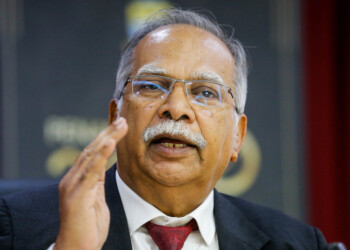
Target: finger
x=95, y=169
x=94, y=173
x=103, y=148
x=74, y=181
x=96, y=145
x=115, y=131
x=108, y=132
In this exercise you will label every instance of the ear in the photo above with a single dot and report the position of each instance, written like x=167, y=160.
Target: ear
x=112, y=112
x=239, y=136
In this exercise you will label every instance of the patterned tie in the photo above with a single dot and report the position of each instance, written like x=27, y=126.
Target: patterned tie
x=170, y=238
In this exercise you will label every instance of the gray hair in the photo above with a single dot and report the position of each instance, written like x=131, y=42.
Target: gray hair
x=177, y=16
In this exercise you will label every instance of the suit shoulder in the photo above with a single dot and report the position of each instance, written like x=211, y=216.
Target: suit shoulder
x=29, y=219
x=277, y=225
x=33, y=197
x=5, y=226
x=32, y=206
x=261, y=213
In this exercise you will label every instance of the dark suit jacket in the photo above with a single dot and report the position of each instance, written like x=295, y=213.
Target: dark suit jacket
x=30, y=220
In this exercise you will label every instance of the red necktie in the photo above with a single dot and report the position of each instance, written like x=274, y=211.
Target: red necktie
x=170, y=238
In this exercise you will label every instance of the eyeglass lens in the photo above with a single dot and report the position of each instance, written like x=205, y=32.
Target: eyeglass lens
x=199, y=92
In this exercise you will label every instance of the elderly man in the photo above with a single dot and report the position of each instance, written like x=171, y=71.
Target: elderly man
x=176, y=121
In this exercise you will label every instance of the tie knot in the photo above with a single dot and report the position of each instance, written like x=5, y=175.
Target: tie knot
x=170, y=238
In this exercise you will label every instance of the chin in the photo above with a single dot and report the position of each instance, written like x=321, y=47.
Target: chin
x=173, y=174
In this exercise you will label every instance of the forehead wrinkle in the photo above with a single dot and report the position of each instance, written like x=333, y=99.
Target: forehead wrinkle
x=209, y=76
x=151, y=69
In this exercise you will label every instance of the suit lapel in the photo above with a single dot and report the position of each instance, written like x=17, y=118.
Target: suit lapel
x=118, y=236
x=234, y=229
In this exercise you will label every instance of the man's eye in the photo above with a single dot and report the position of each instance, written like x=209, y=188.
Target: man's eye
x=205, y=92
x=146, y=85
x=150, y=86
x=208, y=94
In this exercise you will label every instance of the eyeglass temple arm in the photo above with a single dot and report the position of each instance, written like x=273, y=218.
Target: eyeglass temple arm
x=231, y=93
x=126, y=83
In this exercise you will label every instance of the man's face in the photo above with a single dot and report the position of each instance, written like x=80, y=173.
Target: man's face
x=180, y=52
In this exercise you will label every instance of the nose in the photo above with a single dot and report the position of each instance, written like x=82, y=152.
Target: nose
x=177, y=106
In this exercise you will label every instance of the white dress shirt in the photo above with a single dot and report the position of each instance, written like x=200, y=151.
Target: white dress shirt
x=138, y=212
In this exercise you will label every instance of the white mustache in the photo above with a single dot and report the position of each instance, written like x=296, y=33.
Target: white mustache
x=172, y=127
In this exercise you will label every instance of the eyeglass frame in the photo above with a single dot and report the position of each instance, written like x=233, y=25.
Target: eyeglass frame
x=173, y=81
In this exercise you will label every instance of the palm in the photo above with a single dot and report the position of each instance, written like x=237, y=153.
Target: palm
x=84, y=214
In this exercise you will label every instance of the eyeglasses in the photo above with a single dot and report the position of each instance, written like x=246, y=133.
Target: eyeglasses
x=201, y=92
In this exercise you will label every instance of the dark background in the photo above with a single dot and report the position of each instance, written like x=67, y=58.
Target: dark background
x=59, y=60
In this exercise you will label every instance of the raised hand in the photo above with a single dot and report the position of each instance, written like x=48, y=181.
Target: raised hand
x=84, y=215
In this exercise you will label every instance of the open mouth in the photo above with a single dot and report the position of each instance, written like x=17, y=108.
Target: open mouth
x=172, y=143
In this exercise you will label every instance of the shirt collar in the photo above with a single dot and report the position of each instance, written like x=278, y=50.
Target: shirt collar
x=139, y=211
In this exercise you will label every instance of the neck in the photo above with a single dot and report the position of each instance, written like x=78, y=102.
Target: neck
x=174, y=201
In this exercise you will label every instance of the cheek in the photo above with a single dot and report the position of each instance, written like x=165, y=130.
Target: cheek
x=214, y=125
x=142, y=107
x=217, y=119
x=149, y=108
x=134, y=108
x=139, y=115
x=218, y=128
x=207, y=113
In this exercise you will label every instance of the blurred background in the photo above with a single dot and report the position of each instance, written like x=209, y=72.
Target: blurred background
x=57, y=74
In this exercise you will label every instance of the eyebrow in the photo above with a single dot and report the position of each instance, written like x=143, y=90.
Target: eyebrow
x=208, y=76
x=151, y=69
